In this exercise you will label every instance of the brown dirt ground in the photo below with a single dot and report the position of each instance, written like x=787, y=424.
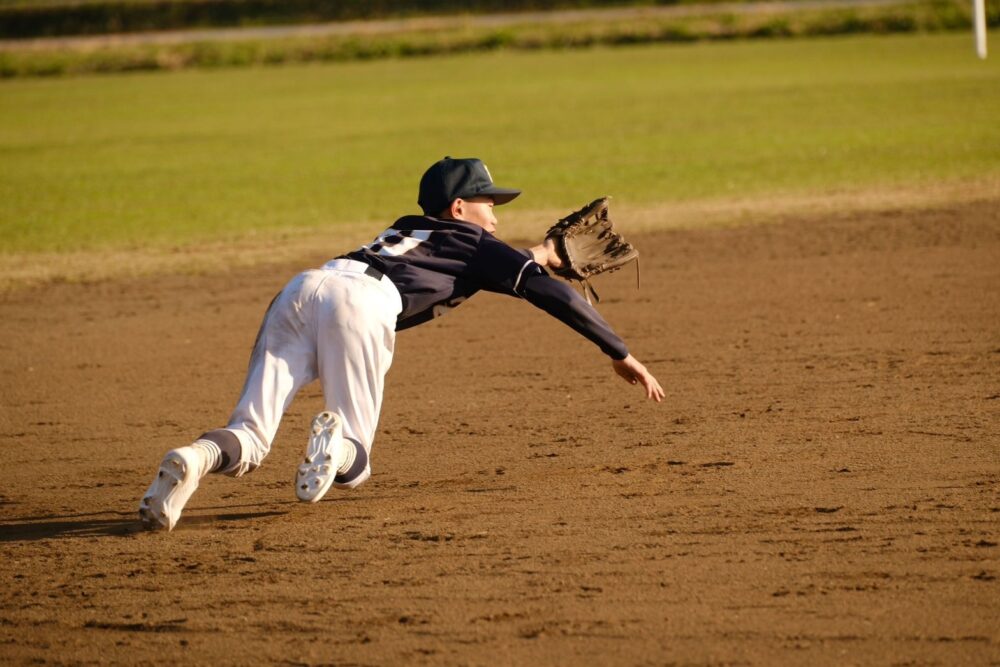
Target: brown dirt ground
x=820, y=487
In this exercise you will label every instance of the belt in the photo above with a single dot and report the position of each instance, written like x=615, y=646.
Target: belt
x=386, y=285
x=347, y=264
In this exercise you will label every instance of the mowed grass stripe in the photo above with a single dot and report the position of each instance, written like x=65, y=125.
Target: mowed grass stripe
x=161, y=159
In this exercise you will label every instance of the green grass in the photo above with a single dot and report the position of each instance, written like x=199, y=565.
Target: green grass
x=131, y=160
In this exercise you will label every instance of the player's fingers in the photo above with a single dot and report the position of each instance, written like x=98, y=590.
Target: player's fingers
x=654, y=390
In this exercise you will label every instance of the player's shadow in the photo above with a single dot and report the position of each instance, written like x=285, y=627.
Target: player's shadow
x=26, y=529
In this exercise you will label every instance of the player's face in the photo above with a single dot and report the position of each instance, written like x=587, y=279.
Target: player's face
x=479, y=211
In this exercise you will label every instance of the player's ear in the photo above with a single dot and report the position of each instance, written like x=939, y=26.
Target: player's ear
x=456, y=209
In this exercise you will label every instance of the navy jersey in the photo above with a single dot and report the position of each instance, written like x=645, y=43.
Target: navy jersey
x=437, y=264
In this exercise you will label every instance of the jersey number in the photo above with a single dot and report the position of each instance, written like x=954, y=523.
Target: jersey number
x=393, y=242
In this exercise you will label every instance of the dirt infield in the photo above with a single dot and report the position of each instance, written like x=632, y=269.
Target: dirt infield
x=821, y=485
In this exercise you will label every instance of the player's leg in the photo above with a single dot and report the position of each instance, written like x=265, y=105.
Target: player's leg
x=355, y=340
x=283, y=360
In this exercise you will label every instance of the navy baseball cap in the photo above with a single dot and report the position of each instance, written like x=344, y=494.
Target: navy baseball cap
x=453, y=178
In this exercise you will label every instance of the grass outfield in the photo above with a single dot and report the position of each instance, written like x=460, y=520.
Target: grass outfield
x=202, y=156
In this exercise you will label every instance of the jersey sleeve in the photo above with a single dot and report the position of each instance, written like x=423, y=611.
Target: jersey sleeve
x=501, y=268
x=562, y=302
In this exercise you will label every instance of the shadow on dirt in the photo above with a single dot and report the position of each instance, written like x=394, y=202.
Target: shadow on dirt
x=51, y=527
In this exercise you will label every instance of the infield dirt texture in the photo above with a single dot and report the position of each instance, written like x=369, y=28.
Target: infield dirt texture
x=820, y=486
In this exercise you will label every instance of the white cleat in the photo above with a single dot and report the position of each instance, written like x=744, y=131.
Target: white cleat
x=173, y=485
x=324, y=454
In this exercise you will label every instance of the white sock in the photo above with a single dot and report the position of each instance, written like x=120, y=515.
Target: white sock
x=350, y=453
x=211, y=456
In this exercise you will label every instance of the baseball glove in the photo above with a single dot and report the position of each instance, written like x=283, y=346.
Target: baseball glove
x=588, y=245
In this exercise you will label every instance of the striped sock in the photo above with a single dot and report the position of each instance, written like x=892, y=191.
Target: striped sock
x=354, y=469
x=350, y=453
x=225, y=449
x=211, y=455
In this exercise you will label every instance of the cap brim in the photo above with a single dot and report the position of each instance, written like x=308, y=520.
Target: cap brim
x=500, y=195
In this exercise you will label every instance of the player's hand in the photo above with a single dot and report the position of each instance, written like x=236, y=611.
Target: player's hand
x=545, y=254
x=552, y=259
x=633, y=372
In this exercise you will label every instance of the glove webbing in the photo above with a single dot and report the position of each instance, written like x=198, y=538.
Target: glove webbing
x=589, y=290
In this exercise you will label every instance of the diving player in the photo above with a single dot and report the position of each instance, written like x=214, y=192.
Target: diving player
x=338, y=323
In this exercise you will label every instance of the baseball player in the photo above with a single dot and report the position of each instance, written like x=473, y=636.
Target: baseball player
x=338, y=323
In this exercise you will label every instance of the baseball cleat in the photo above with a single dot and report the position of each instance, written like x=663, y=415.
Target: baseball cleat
x=325, y=452
x=175, y=481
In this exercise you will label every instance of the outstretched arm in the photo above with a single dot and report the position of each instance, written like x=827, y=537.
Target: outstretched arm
x=562, y=302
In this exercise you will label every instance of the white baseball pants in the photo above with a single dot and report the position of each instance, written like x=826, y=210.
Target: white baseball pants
x=336, y=324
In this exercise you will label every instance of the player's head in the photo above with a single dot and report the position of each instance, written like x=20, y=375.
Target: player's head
x=465, y=179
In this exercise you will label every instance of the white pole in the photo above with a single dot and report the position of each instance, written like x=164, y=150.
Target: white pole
x=979, y=9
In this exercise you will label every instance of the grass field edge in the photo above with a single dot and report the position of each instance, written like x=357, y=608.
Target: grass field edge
x=458, y=35
x=29, y=270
